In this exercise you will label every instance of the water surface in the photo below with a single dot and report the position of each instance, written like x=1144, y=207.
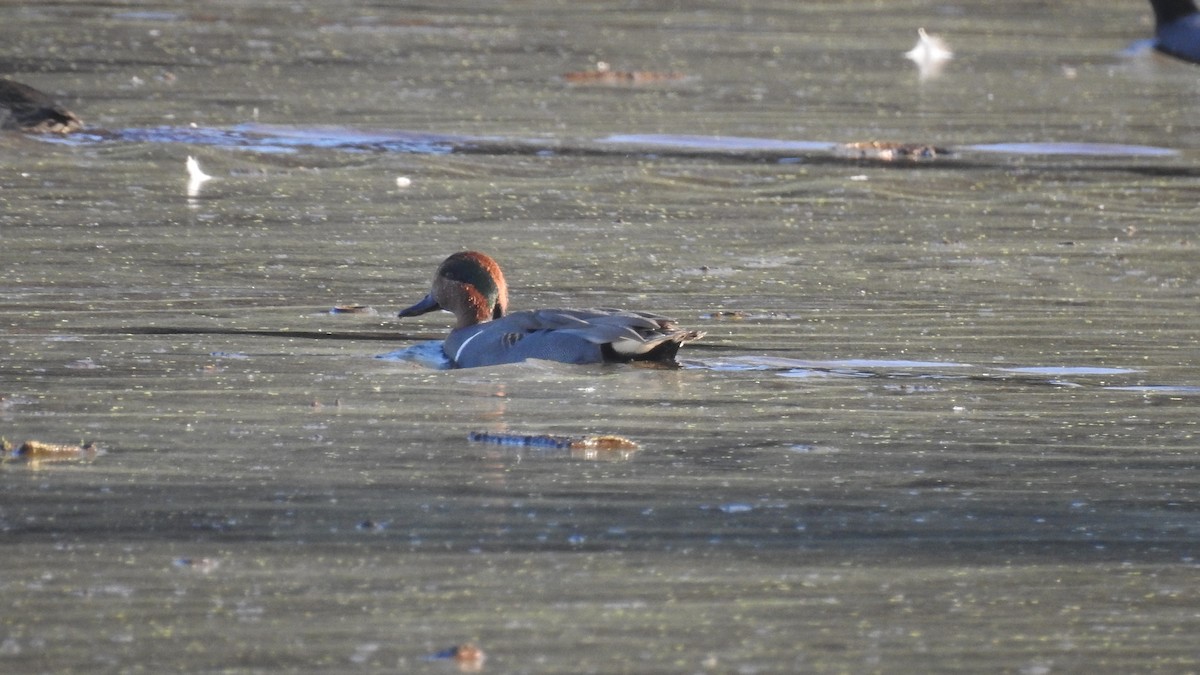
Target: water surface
x=943, y=419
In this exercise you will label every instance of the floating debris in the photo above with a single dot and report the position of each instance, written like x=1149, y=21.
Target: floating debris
x=467, y=657
x=318, y=405
x=604, y=74
x=230, y=355
x=727, y=315
x=85, y=363
x=608, y=442
x=36, y=452
x=887, y=151
x=353, y=309
x=930, y=55
x=196, y=177
x=199, y=565
x=605, y=442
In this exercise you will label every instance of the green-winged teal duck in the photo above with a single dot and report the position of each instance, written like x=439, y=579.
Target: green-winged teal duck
x=27, y=109
x=471, y=286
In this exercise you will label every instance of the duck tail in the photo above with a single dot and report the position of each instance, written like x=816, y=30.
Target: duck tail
x=664, y=348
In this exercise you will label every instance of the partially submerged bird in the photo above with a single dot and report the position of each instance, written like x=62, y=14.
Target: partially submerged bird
x=1177, y=29
x=26, y=109
x=471, y=286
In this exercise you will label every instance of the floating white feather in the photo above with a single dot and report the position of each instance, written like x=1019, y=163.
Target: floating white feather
x=930, y=54
x=196, y=176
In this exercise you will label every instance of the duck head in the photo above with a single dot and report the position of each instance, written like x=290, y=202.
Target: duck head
x=468, y=284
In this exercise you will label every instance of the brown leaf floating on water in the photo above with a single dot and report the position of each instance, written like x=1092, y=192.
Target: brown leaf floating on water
x=603, y=74
x=352, y=309
x=466, y=656
x=35, y=452
x=606, y=442
x=889, y=151
x=469, y=658
x=727, y=315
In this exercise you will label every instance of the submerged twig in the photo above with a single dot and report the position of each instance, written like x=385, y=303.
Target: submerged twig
x=35, y=452
x=603, y=442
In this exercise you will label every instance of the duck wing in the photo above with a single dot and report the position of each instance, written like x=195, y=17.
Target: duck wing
x=624, y=335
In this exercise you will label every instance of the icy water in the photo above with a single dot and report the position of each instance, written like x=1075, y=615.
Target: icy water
x=944, y=419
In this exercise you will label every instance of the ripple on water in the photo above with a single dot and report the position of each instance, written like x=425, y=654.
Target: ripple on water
x=428, y=354
x=718, y=143
x=1086, y=149
x=1160, y=389
x=1068, y=370
x=929, y=370
x=803, y=368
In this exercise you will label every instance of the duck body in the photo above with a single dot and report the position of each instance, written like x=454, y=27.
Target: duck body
x=26, y=109
x=471, y=286
x=1177, y=29
x=567, y=336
